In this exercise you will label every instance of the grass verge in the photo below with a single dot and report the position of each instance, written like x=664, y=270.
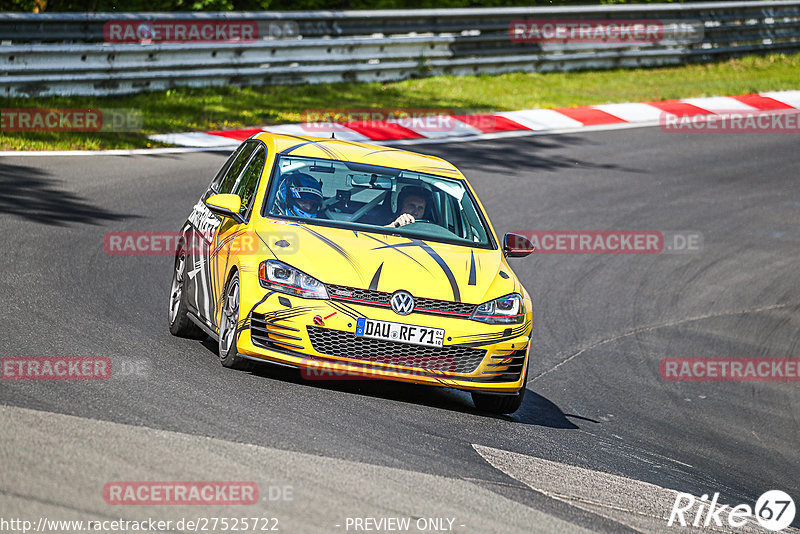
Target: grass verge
x=188, y=109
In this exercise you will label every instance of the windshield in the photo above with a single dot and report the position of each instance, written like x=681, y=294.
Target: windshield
x=380, y=199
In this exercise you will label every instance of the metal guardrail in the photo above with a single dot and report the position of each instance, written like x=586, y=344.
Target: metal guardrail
x=46, y=54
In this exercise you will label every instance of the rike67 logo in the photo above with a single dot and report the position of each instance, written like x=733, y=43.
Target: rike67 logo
x=774, y=510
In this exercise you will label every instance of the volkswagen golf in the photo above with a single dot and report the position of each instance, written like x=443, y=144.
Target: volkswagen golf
x=344, y=259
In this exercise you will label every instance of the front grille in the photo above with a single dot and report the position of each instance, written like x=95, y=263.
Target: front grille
x=272, y=335
x=369, y=296
x=448, y=359
x=381, y=299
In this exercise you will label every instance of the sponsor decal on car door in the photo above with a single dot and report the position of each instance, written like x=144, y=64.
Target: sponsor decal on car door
x=205, y=225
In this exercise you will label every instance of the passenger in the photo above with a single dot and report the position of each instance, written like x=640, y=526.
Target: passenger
x=412, y=202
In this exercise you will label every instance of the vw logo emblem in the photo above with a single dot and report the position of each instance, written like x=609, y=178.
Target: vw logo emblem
x=402, y=302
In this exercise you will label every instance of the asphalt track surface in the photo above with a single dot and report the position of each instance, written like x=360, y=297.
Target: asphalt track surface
x=601, y=443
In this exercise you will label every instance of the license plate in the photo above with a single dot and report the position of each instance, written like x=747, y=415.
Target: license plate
x=402, y=333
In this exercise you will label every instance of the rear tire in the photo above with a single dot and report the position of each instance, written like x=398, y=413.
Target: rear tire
x=179, y=323
x=500, y=404
x=228, y=326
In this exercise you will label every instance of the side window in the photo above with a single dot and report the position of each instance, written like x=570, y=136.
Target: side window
x=246, y=187
x=226, y=183
x=224, y=169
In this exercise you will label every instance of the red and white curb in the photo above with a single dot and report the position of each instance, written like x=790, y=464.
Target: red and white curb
x=502, y=124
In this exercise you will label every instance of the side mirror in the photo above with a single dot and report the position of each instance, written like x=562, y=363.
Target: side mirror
x=225, y=205
x=517, y=246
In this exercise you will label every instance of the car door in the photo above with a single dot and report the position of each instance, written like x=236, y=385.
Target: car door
x=202, y=235
x=233, y=236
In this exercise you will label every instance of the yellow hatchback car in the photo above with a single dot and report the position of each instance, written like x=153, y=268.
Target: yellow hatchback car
x=348, y=260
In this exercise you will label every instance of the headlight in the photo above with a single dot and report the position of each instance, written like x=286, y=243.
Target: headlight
x=276, y=275
x=505, y=310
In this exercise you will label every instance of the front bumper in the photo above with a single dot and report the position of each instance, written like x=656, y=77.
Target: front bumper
x=318, y=337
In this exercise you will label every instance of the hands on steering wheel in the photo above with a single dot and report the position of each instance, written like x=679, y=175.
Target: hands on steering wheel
x=405, y=219
x=402, y=220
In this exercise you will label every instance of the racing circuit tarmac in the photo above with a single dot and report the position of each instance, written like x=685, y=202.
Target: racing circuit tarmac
x=601, y=443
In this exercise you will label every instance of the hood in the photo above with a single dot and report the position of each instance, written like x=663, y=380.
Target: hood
x=388, y=263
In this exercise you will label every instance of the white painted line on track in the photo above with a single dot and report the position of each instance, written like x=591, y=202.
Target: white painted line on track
x=638, y=505
x=83, y=454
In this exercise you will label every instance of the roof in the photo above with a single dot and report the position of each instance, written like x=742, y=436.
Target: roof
x=339, y=149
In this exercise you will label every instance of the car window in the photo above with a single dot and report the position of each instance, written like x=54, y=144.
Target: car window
x=227, y=182
x=354, y=195
x=224, y=169
x=248, y=181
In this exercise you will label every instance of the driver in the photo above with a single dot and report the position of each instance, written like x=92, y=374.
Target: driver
x=412, y=202
x=299, y=195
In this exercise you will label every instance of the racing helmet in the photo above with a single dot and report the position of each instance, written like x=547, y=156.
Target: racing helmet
x=299, y=186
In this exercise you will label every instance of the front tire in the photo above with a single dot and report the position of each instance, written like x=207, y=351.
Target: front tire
x=228, y=326
x=179, y=323
x=500, y=404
